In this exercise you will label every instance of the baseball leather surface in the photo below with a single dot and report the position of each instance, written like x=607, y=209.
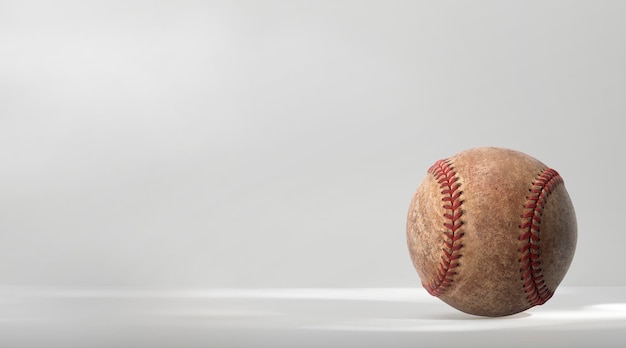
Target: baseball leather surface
x=491, y=231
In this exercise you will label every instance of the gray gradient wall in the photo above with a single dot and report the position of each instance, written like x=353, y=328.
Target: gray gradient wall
x=278, y=143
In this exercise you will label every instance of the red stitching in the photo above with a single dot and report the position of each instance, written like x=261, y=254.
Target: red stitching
x=533, y=283
x=446, y=177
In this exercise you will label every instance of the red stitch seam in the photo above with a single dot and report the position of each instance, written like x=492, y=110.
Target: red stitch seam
x=534, y=285
x=446, y=177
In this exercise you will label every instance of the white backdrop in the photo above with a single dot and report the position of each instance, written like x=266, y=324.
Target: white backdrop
x=278, y=143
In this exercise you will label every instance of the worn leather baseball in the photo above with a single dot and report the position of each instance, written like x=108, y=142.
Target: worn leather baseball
x=491, y=231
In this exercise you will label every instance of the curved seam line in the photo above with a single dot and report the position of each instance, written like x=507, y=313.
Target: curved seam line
x=537, y=293
x=447, y=179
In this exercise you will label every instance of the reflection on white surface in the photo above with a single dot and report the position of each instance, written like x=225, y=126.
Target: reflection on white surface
x=221, y=313
x=280, y=317
x=539, y=319
x=617, y=307
x=596, y=312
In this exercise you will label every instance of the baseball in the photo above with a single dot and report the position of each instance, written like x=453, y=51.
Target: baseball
x=491, y=231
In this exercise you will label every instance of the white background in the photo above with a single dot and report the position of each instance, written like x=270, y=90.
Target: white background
x=278, y=143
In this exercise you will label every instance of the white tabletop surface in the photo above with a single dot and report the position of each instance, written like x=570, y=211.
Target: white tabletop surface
x=382, y=317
